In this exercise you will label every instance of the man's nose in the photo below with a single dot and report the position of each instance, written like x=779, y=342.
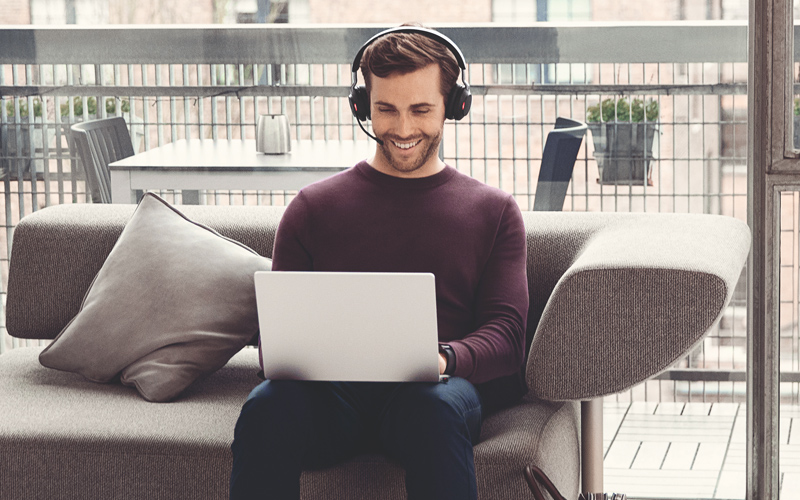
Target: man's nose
x=405, y=126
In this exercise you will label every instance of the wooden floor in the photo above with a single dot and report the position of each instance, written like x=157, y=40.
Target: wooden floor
x=689, y=450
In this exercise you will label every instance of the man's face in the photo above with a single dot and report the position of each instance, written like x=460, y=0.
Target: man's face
x=408, y=116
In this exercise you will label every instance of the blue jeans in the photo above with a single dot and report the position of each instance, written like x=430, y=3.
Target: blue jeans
x=288, y=426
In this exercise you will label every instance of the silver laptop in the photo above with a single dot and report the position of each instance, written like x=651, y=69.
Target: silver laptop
x=377, y=327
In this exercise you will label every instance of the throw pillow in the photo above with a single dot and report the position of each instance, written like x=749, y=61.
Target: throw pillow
x=173, y=301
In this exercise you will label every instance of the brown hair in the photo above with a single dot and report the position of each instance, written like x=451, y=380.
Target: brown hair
x=401, y=53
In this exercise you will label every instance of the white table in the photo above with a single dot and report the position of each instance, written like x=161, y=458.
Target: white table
x=211, y=164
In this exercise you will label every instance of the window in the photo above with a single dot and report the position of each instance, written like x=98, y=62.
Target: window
x=69, y=12
x=515, y=11
x=260, y=11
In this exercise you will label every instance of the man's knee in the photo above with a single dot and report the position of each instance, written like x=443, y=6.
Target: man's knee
x=275, y=407
x=436, y=409
x=455, y=397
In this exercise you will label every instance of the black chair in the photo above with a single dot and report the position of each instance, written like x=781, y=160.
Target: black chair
x=99, y=143
x=558, y=161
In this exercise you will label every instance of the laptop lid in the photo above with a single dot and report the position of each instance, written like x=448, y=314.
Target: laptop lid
x=378, y=327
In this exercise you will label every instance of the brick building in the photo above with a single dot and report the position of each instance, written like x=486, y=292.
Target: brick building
x=14, y=12
x=441, y=11
x=358, y=11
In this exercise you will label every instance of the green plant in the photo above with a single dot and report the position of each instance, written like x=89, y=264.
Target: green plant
x=111, y=105
x=77, y=106
x=23, y=107
x=620, y=110
x=91, y=106
x=797, y=106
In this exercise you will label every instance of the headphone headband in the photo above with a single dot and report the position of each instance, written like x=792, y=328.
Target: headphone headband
x=433, y=35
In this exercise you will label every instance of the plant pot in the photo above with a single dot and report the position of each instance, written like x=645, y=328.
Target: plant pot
x=796, y=142
x=624, y=152
x=21, y=142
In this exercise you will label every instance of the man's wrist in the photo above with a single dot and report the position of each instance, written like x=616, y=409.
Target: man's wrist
x=450, y=355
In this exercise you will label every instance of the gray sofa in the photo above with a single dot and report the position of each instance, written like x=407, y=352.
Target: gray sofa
x=615, y=299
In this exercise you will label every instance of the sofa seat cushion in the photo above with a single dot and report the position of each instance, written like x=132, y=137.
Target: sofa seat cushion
x=62, y=436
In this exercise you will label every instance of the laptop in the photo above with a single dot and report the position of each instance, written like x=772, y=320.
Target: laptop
x=356, y=327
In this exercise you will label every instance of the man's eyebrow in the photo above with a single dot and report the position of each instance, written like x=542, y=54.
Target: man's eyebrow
x=413, y=106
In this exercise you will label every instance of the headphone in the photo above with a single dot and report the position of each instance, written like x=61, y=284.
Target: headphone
x=458, y=101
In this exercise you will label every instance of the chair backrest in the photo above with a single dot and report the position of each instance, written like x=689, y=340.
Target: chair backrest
x=558, y=160
x=99, y=143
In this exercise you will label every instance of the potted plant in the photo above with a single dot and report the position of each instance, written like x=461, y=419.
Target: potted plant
x=15, y=148
x=623, y=134
x=796, y=131
x=31, y=140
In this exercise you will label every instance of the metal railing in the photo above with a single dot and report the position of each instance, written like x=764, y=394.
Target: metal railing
x=182, y=82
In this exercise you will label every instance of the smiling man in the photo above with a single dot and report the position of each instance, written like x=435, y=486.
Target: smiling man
x=402, y=210
x=408, y=116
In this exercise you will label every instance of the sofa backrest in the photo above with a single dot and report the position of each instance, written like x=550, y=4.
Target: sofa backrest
x=58, y=251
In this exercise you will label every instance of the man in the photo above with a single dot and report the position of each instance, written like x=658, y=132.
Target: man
x=403, y=210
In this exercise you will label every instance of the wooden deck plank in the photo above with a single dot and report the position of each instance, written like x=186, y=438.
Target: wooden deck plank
x=739, y=434
x=703, y=409
x=662, y=434
x=790, y=486
x=700, y=419
x=662, y=483
x=794, y=435
x=621, y=454
x=650, y=455
x=790, y=458
x=680, y=456
x=710, y=456
x=669, y=408
x=732, y=485
x=719, y=409
x=612, y=419
x=642, y=408
x=785, y=425
x=790, y=411
x=736, y=458
x=642, y=476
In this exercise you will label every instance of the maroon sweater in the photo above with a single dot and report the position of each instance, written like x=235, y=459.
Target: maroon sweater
x=469, y=235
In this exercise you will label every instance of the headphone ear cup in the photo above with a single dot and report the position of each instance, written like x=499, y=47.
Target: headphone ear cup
x=359, y=102
x=458, y=102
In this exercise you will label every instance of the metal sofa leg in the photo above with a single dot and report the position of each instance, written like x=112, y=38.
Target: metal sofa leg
x=592, y=446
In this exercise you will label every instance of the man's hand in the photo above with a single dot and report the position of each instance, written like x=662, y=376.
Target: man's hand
x=442, y=363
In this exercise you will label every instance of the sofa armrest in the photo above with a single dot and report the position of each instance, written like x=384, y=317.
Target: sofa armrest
x=638, y=296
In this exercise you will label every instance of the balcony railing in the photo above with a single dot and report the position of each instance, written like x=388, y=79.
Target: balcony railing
x=212, y=81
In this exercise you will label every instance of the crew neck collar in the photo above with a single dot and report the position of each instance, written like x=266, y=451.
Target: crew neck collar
x=378, y=177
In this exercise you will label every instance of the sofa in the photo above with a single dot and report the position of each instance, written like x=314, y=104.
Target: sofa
x=615, y=298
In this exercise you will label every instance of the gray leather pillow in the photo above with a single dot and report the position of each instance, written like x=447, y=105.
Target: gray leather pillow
x=173, y=301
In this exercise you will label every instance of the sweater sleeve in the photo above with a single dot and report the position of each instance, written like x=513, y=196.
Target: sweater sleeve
x=497, y=347
x=292, y=239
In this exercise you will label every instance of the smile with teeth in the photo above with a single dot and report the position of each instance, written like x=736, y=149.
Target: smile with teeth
x=405, y=145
